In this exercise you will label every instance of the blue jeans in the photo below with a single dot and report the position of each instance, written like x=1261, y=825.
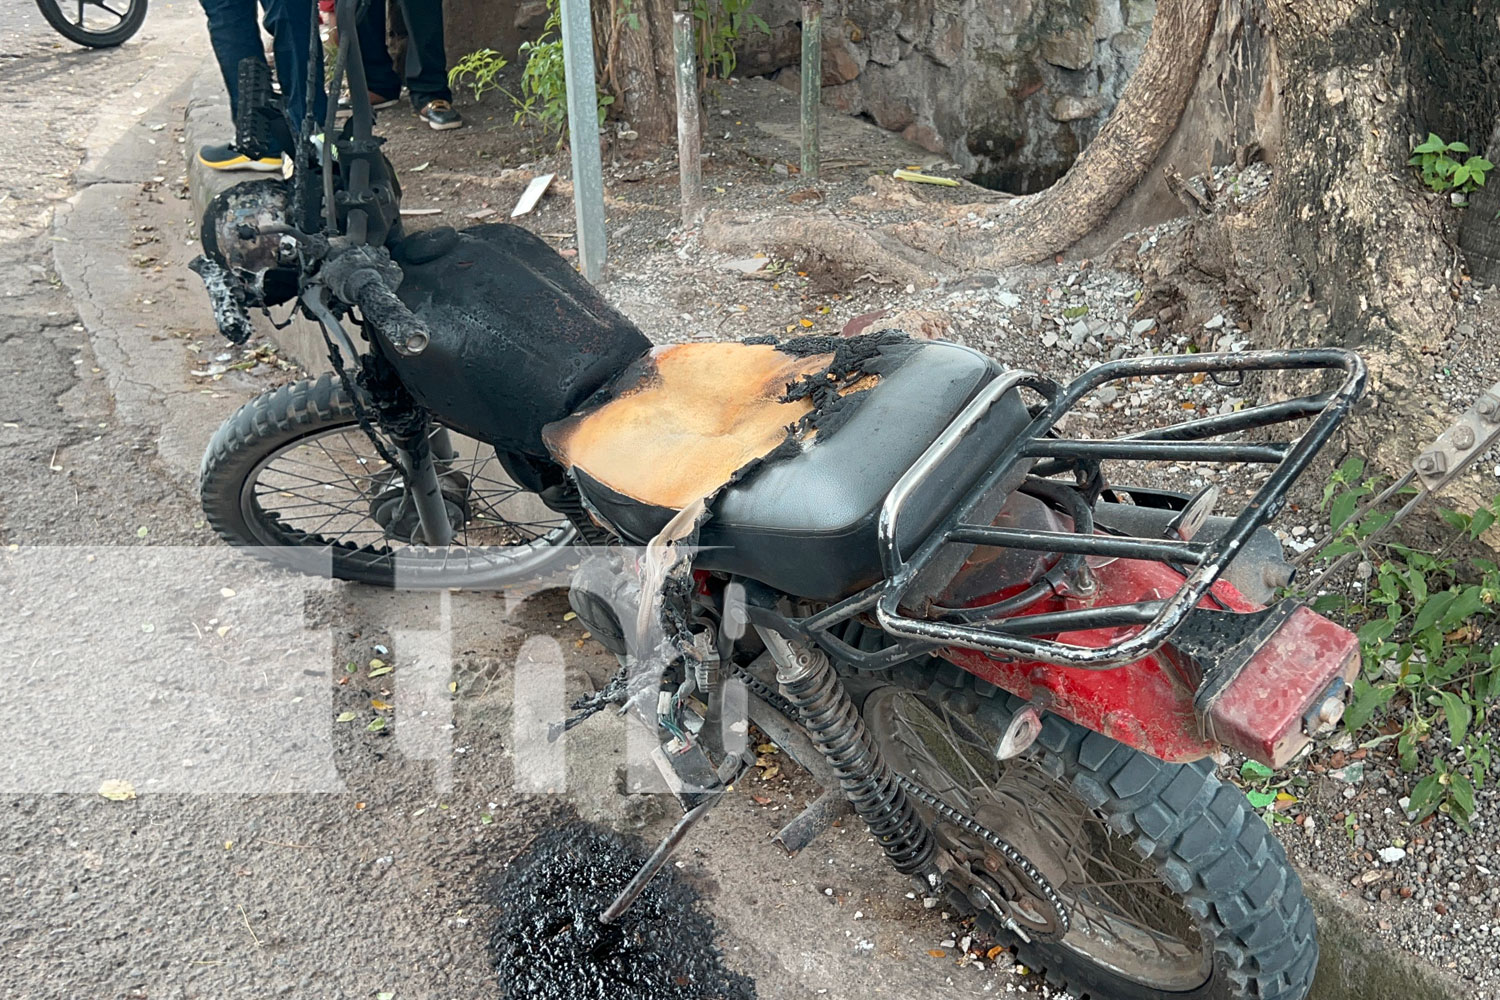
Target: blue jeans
x=234, y=35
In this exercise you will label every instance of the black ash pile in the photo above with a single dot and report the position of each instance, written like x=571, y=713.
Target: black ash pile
x=548, y=943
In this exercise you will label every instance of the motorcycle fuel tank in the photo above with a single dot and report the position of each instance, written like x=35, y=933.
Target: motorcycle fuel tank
x=519, y=338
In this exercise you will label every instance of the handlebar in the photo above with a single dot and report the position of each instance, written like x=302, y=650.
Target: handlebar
x=366, y=288
x=366, y=277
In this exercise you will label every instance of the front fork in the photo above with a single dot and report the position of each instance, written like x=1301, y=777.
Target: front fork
x=421, y=467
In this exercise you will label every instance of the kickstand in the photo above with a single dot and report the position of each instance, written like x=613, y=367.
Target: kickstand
x=658, y=858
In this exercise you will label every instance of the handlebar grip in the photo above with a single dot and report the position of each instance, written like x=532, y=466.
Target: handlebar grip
x=226, y=295
x=405, y=330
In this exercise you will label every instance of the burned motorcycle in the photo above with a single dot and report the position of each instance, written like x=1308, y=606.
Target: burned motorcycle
x=884, y=552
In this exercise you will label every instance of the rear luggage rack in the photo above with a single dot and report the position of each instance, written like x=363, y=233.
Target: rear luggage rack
x=920, y=577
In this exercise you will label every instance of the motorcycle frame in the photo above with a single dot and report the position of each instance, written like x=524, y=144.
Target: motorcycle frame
x=1103, y=647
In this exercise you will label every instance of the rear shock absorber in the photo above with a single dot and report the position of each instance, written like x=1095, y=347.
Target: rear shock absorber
x=808, y=680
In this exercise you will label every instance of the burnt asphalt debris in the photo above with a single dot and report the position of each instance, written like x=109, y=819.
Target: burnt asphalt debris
x=548, y=943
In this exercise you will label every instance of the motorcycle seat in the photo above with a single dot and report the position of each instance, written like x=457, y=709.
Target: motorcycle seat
x=798, y=512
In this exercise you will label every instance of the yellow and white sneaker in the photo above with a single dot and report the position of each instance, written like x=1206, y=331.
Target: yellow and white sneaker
x=226, y=156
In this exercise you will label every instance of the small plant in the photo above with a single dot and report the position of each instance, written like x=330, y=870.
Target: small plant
x=1267, y=794
x=1429, y=646
x=1441, y=170
x=719, y=24
x=544, y=84
x=479, y=71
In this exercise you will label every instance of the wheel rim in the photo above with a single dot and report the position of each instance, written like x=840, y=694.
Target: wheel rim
x=330, y=487
x=97, y=17
x=1122, y=915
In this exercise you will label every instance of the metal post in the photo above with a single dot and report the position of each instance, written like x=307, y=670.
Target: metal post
x=583, y=135
x=812, y=85
x=689, y=126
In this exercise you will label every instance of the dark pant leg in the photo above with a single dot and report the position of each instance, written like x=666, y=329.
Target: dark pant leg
x=234, y=36
x=375, y=56
x=291, y=26
x=426, y=57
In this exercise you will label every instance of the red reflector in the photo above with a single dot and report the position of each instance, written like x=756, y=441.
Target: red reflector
x=1260, y=713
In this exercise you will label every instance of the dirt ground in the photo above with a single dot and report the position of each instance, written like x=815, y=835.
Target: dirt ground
x=1057, y=318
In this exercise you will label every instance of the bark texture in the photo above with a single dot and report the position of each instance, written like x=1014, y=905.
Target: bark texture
x=1479, y=237
x=640, y=67
x=1353, y=251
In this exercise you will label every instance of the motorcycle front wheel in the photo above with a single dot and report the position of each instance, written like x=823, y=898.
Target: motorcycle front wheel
x=99, y=24
x=1172, y=885
x=293, y=475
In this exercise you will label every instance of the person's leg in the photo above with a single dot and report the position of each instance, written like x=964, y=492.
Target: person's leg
x=380, y=71
x=426, y=55
x=234, y=36
x=290, y=23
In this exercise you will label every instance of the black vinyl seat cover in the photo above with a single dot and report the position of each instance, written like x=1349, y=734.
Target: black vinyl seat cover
x=806, y=525
x=519, y=338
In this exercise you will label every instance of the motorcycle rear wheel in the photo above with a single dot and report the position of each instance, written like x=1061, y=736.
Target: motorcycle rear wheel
x=106, y=30
x=1174, y=886
x=292, y=474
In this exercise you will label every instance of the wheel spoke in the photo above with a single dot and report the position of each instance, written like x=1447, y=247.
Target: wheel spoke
x=327, y=488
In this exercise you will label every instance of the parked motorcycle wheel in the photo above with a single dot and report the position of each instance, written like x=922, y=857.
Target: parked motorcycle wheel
x=1174, y=887
x=293, y=474
x=99, y=24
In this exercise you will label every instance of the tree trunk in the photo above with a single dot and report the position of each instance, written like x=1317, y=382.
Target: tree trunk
x=641, y=70
x=1346, y=248
x=1479, y=235
x=1047, y=223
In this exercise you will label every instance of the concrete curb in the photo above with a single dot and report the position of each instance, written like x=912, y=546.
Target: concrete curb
x=207, y=119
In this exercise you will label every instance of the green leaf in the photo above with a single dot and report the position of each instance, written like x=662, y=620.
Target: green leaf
x=1255, y=769
x=1457, y=147
x=377, y=725
x=1456, y=520
x=1406, y=747
x=1432, y=145
x=1260, y=799
x=1459, y=715
x=1343, y=506
x=1461, y=792
x=1372, y=633
x=1425, y=797
x=1470, y=601
x=1367, y=698
x=1480, y=523
x=1351, y=470
x=1478, y=164
x=1460, y=176
x=345, y=717
x=1432, y=610
x=1328, y=602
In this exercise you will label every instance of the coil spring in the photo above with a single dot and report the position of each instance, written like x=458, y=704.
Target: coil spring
x=835, y=726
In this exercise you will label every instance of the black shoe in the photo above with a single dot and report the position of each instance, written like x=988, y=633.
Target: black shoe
x=440, y=115
x=228, y=156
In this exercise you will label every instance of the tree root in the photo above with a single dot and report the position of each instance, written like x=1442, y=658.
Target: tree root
x=833, y=249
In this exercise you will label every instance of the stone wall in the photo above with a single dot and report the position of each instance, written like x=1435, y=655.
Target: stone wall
x=1010, y=89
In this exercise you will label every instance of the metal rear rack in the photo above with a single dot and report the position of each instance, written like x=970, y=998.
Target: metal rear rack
x=1024, y=636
